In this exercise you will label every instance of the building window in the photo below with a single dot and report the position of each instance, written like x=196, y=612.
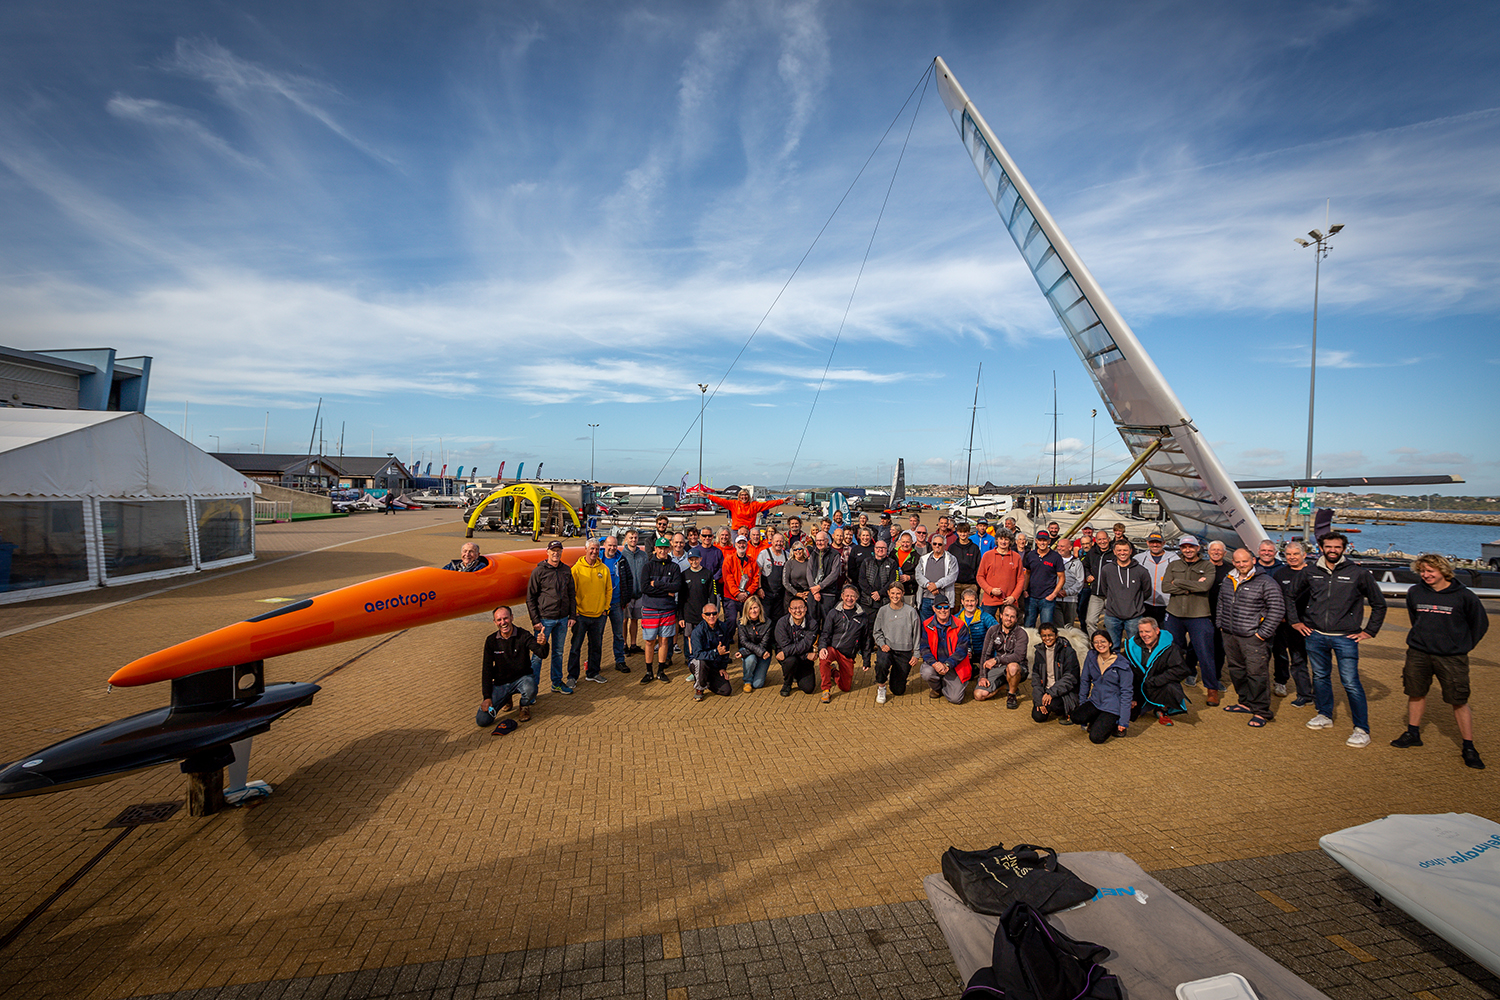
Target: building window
x=224, y=528
x=143, y=536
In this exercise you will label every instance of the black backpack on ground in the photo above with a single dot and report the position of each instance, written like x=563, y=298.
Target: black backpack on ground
x=1035, y=961
x=992, y=880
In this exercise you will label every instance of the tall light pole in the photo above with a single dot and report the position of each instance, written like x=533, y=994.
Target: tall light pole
x=702, y=395
x=1320, y=244
x=217, y=447
x=592, y=429
x=1093, y=436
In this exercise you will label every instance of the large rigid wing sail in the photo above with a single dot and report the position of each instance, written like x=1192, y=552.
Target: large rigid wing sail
x=1198, y=495
x=898, y=484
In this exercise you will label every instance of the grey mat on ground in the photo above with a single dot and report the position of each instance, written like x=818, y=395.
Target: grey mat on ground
x=1153, y=946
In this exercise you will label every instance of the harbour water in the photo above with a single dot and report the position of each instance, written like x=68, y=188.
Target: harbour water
x=1415, y=537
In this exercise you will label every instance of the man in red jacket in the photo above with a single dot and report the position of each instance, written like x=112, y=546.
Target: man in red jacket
x=744, y=512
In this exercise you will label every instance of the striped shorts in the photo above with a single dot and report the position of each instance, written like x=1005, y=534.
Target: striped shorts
x=658, y=624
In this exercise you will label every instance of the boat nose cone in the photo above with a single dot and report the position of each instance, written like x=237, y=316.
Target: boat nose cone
x=21, y=778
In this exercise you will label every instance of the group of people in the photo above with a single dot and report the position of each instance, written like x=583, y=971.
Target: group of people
x=953, y=605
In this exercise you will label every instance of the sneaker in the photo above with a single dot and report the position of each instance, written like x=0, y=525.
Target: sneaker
x=571, y=680
x=648, y=677
x=697, y=695
x=661, y=675
x=786, y=692
x=524, y=714
x=1301, y=702
x=561, y=689
x=880, y=694
x=509, y=704
x=1065, y=721
x=622, y=668
x=1320, y=721
x=1471, y=759
x=747, y=688
x=1162, y=719
x=827, y=697
x=1407, y=739
x=1280, y=690
x=596, y=678
x=1358, y=739
x=1011, y=701
x=931, y=693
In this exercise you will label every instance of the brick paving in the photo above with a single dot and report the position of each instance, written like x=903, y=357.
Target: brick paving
x=402, y=838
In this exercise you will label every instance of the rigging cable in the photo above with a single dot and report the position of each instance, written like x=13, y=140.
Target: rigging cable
x=829, y=221
x=850, y=304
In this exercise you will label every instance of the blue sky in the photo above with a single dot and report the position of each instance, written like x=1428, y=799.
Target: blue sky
x=475, y=228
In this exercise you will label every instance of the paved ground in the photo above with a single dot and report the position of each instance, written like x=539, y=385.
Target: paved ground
x=627, y=842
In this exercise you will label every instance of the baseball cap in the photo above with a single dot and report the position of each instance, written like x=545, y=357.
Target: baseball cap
x=741, y=540
x=941, y=602
x=1188, y=540
x=1043, y=536
x=1155, y=536
x=885, y=515
x=984, y=520
x=661, y=543
x=505, y=726
x=554, y=544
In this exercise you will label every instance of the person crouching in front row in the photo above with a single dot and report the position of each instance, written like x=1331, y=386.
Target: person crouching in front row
x=506, y=668
x=1054, y=678
x=709, y=649
x=945, y=653
x=796, y=638
x=1108, y=683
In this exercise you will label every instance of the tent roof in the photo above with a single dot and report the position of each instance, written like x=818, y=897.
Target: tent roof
x=84, y=453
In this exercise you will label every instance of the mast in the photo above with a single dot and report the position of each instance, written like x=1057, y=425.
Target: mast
x=1183, y=470
x=973, y=415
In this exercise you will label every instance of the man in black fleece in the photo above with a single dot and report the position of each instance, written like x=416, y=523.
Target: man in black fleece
x=506, y=669
x=1447, y=621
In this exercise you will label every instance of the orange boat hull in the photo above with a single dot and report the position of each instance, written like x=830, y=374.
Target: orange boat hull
x=386, y=604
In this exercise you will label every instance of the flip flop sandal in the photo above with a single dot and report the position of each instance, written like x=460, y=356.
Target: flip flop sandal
x=1257, y=722
x=1238, y=709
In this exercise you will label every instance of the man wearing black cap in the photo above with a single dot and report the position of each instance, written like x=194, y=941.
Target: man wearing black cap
x=968, y=555
x=549, y=602
x=884, y=533
x=1047, y=577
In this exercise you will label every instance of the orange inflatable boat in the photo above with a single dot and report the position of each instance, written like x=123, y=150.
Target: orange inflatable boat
x=386, y=604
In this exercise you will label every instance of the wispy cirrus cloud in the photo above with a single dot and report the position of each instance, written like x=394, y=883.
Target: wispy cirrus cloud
x=171, y=118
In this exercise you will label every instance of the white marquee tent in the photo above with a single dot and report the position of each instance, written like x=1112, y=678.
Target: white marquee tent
x=90, y=498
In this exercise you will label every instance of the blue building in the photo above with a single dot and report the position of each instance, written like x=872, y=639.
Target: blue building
x=88, y=379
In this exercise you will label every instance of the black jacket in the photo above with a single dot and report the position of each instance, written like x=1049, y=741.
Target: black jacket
x=968, y=561
x=1447, y=622
x=507, y=660
x=549, y=592
x=1288, y=577
x=876, y=575
x=1065, y=665
x=796, y=640
x=1255, y=607
x=698, y=588
x=845, y=631
x=1334, y=598
x=660, y=584
x=756, y=637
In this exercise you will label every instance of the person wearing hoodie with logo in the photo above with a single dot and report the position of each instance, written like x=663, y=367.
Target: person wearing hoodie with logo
x=1447, y=621
x=1335, y=592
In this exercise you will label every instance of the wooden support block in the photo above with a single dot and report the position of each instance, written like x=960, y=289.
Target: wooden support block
x=205, y=793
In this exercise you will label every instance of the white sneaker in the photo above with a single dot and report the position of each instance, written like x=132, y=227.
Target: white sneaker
x=1321, y=721
x=880, y=694
x=1359, y=738
x=1281, y=690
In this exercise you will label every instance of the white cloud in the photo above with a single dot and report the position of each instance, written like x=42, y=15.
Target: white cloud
x=169, y=117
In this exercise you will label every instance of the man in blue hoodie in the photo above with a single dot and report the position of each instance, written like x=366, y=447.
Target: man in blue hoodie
x=1447, y=621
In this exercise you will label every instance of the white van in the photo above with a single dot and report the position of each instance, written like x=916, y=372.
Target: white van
x=990, y=506
x=632, y=499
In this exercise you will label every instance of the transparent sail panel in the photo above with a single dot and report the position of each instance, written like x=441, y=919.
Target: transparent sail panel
x=1193, y=487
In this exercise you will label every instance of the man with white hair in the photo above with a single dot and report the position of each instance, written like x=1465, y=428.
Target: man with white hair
x=1289, y=650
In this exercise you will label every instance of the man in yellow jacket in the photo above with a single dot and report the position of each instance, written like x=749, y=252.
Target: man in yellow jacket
x=593, y=590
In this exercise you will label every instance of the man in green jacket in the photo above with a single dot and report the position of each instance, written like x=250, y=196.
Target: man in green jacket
x=1186, y=583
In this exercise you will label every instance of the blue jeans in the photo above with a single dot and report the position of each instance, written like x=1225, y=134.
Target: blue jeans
x=1039, y=610
x=1198, y=633
x=1116, y=627
x=524, y=686
x=590, y=627
x=554, y=631
x=617, y=629
x=1321, y=649
x=755, y=670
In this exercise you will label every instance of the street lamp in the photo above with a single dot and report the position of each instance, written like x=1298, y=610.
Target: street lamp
x=592, y=429
x=702, y=395
x=1093, y=436
x=1320, y=244
x=217, y=446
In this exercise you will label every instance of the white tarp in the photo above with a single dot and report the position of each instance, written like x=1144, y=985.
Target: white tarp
x=89, y=453
x=1443, y=870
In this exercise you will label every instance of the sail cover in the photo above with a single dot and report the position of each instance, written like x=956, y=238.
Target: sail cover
x=1198, y=495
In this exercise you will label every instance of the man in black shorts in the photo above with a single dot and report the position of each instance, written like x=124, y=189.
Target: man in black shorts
x=1447, y=621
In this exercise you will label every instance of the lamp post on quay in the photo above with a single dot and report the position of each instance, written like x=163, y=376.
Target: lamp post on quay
x=1319, y=242
x=592, y=429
